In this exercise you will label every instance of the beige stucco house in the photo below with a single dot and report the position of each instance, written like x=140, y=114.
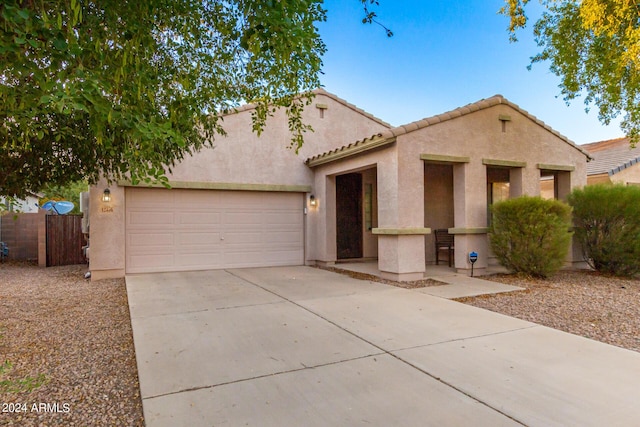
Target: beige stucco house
x=358, y=189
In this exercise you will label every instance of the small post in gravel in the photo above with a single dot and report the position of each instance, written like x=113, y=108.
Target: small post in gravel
x=473, y=257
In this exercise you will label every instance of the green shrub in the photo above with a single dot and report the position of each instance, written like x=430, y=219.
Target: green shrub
x=531, y=235
x=607, y=225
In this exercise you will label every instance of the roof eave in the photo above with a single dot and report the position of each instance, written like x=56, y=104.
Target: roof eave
x=312, y=94
x=367, y=144
x=430, y=121
x=478, y=106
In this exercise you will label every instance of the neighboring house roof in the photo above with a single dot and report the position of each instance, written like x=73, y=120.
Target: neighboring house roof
x=611, y=156
x=594, y=147
x=390, y=135
x=321, y=91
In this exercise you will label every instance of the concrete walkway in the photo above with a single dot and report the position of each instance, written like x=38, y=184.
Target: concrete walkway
x=460, y=286
x=296, y=346
x=454, y=285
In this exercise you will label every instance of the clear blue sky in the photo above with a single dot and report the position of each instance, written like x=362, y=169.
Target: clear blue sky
x=443, y=55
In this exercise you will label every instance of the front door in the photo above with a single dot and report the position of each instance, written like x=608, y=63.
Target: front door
x=349, y=215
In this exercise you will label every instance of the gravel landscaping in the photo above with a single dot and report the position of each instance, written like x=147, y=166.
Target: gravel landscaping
x=584, y=303
x=70, y=359
x=68, y=349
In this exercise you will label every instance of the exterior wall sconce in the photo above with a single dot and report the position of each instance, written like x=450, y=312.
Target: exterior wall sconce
x=312, y=201
x=106, y=195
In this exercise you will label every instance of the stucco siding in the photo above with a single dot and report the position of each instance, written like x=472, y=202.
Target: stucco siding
x=107, y=233
x=479, y=135
x=243, y=156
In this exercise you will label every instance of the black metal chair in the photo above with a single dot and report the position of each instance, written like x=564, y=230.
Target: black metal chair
x=444, y=241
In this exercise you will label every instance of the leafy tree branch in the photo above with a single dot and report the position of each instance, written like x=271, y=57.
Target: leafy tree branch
x=370, y=16
x=594, y=47
x=127, y=89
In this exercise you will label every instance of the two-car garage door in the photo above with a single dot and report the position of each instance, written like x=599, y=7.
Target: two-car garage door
x=174, y=230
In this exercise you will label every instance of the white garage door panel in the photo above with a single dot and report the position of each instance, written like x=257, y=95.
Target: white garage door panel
x=251, y=219
x=173, y=230
x=283, y=237
x=160, y=240
x=245, y=240
x=211, y=218
x=148, y=262
x=195, y=261
x=150, y=219
x=197, y=239
x=280, y=218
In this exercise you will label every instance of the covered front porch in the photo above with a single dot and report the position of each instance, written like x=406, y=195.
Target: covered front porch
x=357, y=202
x=384, y=197
x=452, y=195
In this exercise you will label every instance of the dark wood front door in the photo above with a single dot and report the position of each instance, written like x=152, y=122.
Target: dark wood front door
x=349, y=215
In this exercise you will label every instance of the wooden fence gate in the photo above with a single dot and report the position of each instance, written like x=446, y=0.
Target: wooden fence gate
x=64, y=240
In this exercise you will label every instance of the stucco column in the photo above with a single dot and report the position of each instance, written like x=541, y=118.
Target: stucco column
x=516, y=182
x=324, y=217
x=568, y=181
x=470, y=215
x=106, y=232
x=311, y=228
x=401, y=251
x=530, y=181
x=564, y=184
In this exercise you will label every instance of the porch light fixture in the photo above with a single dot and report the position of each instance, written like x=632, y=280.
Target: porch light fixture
x=312, y=201
x=106, y=195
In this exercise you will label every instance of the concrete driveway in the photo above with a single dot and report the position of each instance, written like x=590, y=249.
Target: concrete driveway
x=299, y=346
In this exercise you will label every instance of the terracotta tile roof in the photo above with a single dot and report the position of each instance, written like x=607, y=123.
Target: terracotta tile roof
x=321, y=91
x=362, y=145
x=391, y=134
x=611, y=156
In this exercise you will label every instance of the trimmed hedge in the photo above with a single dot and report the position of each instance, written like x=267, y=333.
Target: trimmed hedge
x=607, y=225
x=531, y=235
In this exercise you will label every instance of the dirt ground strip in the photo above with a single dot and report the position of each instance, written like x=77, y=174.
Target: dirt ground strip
x=599, y=307
x=364, y=276
x=74, y=337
